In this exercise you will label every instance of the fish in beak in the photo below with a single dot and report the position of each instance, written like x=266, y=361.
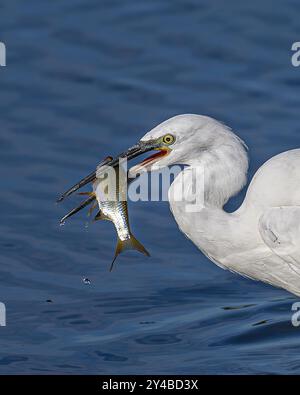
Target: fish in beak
x=138, y=149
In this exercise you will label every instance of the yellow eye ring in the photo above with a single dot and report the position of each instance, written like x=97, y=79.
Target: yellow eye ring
x=168, y=139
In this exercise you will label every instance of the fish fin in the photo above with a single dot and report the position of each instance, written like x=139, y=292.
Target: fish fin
x=134, y=244
x=130, y=244
x=78, y=208
x=92, y=208
x=100, y=216
x=87, y=194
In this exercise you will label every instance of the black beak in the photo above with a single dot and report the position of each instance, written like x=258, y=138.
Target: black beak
x=131, y=153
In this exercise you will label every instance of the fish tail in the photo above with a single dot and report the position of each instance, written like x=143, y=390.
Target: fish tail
x=130, y=244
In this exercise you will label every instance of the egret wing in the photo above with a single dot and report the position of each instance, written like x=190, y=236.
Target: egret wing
x=280, y=230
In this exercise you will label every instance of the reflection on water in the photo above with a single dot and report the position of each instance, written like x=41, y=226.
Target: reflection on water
x=85, y=80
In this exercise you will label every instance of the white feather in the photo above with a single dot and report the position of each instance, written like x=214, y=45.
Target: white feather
x=261, y=240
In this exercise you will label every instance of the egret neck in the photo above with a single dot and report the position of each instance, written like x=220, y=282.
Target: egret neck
x=221, y=173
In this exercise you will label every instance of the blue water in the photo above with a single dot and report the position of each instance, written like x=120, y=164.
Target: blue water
x=88, y=78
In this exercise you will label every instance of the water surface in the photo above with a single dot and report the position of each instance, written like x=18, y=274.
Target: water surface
x=85, y=79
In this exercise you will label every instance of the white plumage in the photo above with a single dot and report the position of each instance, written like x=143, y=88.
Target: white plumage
x=261, y=240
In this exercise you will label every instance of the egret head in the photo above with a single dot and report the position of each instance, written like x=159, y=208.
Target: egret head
x=185, y=140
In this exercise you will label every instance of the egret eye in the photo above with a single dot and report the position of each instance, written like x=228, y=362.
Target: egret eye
x=168, y=139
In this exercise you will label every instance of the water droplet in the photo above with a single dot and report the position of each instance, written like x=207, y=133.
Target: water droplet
x=62, y=223
x=86, y=281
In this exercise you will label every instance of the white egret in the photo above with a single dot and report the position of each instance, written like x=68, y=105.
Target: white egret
x=261, y=240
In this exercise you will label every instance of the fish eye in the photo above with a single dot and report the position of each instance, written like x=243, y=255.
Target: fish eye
x=168, y=139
